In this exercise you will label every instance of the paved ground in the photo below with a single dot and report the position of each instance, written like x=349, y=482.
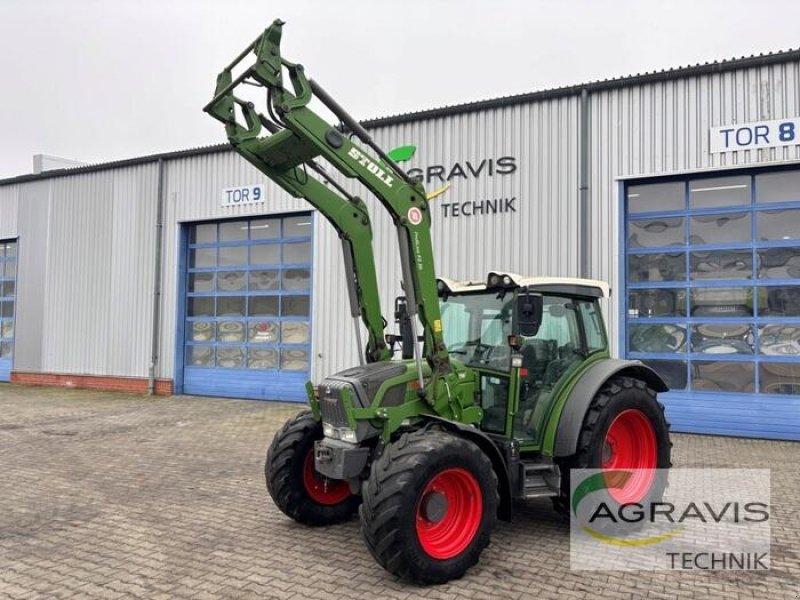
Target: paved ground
x=111, y=495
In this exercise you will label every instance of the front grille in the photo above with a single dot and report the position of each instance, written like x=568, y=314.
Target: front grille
x=331, y=406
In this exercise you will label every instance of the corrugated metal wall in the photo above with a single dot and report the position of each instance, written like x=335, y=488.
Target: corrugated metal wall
x=86, y=241
x=86, y=273
x=9, y=208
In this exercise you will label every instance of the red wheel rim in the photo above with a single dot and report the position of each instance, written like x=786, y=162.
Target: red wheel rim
x=320, y=488
x=630, y=445
x=459, y=501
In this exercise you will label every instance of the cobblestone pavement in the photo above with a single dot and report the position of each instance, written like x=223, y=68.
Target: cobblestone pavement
x=112, y=495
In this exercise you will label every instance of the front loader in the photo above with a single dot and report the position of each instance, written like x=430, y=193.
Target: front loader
x=512, y=388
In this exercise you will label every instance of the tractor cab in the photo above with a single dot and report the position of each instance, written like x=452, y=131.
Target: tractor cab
x=526, y=337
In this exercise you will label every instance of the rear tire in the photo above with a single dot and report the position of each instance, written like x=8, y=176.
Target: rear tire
x=429, y=506
x=297, y=489
x=624, y=413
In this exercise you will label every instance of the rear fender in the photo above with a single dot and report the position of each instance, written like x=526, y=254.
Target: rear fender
x=571, y=419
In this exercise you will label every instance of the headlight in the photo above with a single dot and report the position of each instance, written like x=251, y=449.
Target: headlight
x=339, y=433
x=348, y=435
x=330, y=431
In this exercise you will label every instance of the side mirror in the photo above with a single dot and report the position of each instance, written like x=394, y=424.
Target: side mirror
x=529, y=310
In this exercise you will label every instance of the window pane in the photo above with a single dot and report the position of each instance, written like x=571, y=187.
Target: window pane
x=778, y=187
x=204, y=234
x=266, y=306
x=294, y=360
x=780, y=301
x=657, y=197
x=295, y=306
x=674, y=372
x=780, y=378
x=719, y=191
x=657, y=338
x=299, y=226
x=201, y=282
x=230, y=306
x=778, y=225
x=264, y=332
x=7, y=309
x=269, y=254
x=9, y=288
x=11, y=268
x=656, y=232
x=200, y=356
x=7, y=329
x=710, y=338
x=721, y=264
x=657, y=303
x=715, y=376
x=11, y=249
x=722, y=302
x=265, y=229
x=779, y=340
x=233, y=257
x=262, y=358
x=230, y=358
x=231, y=281
x=297, y=253
x=656, y=267
x=230, y=331
x=7, y=350
x=779, y=263
x=592, y=323
x=202, y=258
x=201, y=331
x=721, y=229
x=201, y=307
x=264, y=280
x=235, y=231
x=295, y=332
x=296, y=279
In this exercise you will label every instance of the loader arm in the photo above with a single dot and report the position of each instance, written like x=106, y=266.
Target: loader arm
x=346, y=213
x=298, y=136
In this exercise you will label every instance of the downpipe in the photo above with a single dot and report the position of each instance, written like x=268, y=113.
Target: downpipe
x=154, y=354
x=583, y=190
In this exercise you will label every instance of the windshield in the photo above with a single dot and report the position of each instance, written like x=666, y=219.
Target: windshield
x=476, y=329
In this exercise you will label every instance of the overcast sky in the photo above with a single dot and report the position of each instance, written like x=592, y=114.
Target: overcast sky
x=103, y=80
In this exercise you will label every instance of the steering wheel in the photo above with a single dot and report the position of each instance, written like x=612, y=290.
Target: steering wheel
x=458, y=348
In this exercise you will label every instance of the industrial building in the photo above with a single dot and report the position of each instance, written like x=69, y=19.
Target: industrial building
x=189, y=272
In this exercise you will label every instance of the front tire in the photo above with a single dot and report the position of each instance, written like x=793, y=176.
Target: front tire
x=295, y=486
x=429, y=506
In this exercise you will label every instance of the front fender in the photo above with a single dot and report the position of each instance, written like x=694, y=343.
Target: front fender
x=571, y=420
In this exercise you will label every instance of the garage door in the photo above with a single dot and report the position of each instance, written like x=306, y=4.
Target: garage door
x=247, y=326
x=8, y=286
x=712, y=301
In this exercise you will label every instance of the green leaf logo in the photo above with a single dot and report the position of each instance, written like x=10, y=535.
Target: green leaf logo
x=402, y=153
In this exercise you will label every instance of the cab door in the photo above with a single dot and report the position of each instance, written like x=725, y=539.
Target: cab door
x=571, y=331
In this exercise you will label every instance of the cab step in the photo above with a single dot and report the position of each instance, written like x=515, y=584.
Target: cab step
x=541, y=480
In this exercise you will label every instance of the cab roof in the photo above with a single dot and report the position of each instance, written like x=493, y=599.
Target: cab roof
x=571, y=286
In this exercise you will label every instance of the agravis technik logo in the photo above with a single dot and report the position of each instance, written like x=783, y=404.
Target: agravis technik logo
x=707, y=519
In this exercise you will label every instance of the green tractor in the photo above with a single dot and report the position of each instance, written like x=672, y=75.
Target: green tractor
x=509, y=386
